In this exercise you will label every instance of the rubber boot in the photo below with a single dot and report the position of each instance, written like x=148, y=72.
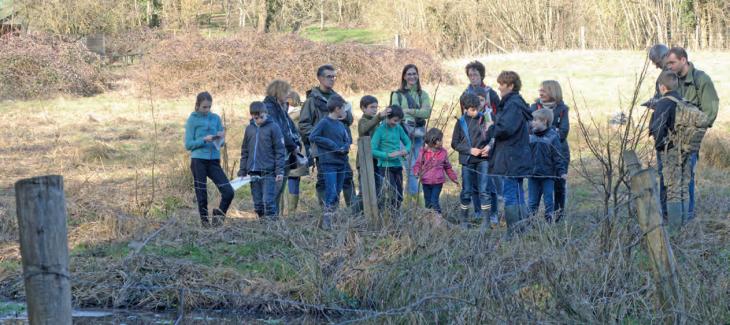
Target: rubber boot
x=348, y=194
x=524, y=215
x=464, y=216
x=675, y=216
x=218, y=218
x=293, y=203
x=326, y=221
x=512, y=215
x=320, y=198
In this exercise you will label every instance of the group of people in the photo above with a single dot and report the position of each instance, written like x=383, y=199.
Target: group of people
x=684, y=106
x=500, y=140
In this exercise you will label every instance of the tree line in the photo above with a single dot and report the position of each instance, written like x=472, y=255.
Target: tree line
x=447, y=27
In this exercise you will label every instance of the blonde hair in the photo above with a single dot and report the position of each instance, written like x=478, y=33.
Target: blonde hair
x=544, y=115
x=293, y=99
x=278, y=89
x=553, y=89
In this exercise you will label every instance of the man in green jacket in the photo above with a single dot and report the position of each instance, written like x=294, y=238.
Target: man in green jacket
x=696, y=87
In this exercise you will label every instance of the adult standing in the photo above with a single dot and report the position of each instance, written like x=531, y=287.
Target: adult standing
x=658, y=56
x=204, y=134
x=696, y=87
x=416, y=105
x=551, y=97
x=510, y=156
x=476, y=71
x=314, y=110
x=277, y=107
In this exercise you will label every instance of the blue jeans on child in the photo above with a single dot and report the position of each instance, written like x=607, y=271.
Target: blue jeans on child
x=416, y=145
x=293, y=184
x=334, y=179
x=202, y=170
x=541, y=188
x=692, y=165
x=477, y=188
x=513, y=191
x=263, y=192
x=431, y=194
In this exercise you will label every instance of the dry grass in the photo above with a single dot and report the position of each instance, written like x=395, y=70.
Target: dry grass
x=411, y=271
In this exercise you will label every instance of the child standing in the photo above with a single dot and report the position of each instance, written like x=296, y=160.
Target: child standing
x=333, y=144
x=471, y=140
x=369, y=121
x=263, y=156
x=548, y=162
x=202, y=129
x=390, y=145
x=432, y=163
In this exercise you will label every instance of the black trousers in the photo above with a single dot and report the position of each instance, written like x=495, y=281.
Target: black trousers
x=202, y=170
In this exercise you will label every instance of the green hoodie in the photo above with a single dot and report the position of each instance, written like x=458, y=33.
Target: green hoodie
x=387, y=140
x=706, y=99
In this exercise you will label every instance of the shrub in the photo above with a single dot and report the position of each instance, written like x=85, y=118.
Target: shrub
x=36, y=66
x=249, y=61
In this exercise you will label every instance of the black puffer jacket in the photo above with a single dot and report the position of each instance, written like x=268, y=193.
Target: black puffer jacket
x=279, y=115
x=511, y=155
x=262, y=149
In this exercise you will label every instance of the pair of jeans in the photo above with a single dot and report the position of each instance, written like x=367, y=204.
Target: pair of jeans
x=541, y=188
x=202, y=170
x=477, y=187
x=431, y=194
x=293, y=184
x=412, y=183
x=513, y=191
x=393, y=185
x=693, y=156
x=333, y=178
x=264, y=189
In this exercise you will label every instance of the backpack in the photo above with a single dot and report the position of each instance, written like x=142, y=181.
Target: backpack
x=690, y=125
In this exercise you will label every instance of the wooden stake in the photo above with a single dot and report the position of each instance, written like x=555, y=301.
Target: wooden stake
x=41, y=211
x=367, y=177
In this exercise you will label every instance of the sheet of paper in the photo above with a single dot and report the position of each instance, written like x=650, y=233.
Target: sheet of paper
x=218, y=143
x=236, y=183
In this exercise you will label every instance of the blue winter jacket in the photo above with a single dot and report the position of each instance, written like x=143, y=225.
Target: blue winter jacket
x=197, y=127
x=332, y=140
x=263, y=149
x=561, y=123
x=547, y=155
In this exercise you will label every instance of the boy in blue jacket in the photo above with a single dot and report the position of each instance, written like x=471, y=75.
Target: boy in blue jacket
x=263, y=156
x=333, y=144
x=548, y=162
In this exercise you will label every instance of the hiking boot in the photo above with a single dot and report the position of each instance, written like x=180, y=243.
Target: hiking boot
x=326, y=221
x=513, y=217
x=218, y=218
x=464, y=217
x=204, y=221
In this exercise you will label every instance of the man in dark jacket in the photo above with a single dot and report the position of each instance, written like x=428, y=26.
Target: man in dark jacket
x=696, y=87
x=676, y=163
x=262, y=156
x=470, y=139
x=314, y=110
x=510, y=156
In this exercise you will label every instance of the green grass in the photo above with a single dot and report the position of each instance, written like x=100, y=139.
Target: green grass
x=340, y=35
x=11, y=309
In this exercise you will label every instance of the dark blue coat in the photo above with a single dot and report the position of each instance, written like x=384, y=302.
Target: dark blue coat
x=662, y=121
x=478, y=136
x=279, y=115
x=561, y=123
x=332, y=140
x=510, y=155
x=546, y=154
x=263, y=149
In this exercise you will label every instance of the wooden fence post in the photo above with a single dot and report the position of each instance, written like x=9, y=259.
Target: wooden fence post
x=367, y=179
x=41, y=211
x=645, y=191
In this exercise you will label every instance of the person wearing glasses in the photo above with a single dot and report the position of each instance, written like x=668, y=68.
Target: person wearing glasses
x=315, y=110
x=263, y=155
x=416, y=106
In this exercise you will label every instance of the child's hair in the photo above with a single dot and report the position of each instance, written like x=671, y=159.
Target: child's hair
x=366, y=100
x=395, y=111
x=553, y=89
x=432, y=136
x=202, y=97
x=294, y=99
x=510, y=78
x=669, y=79
x=257, y=108
x=545, y=115
x=479, y=91
x=469, y=100
x=334, y=102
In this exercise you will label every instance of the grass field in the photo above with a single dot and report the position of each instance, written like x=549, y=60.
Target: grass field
x=126, y=174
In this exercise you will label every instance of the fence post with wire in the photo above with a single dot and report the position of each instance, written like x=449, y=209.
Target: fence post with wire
x=41, y=212
x=367, y=181
x=644, y=189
